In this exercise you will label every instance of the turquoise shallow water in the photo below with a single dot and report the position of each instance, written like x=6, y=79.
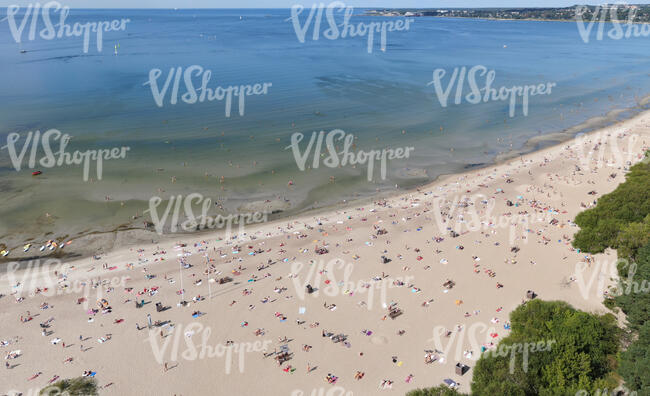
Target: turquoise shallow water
x=382, y=98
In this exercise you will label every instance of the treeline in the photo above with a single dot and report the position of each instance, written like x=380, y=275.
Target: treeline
x=621, y=221
x=590, y=353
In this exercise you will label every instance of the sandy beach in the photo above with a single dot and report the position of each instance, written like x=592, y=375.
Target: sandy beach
x=402, y=288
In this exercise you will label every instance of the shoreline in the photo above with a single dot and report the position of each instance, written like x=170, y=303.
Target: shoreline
x=130, y=230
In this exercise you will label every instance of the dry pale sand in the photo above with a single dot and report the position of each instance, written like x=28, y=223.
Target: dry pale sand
x=547, y=191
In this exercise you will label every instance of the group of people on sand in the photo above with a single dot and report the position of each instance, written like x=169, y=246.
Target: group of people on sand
x=201, y=264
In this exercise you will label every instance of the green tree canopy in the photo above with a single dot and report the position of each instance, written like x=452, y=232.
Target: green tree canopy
x=601, y=227
x=80, y=386
x=635, y=363
x=441, y=390
x=582, y=353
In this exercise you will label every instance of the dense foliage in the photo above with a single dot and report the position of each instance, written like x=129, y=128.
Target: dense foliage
x=80, y=386
x=634, y=300
x=635, y=363
x=581, y=353
x=634, y=296
x=620, y=219
x=441, y=390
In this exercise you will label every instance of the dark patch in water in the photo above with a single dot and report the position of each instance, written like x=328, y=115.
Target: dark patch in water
x=6, y=187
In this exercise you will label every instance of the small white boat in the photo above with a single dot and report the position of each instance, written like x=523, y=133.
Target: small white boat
x=26, y=247
x=42, y=248
x=4, y=253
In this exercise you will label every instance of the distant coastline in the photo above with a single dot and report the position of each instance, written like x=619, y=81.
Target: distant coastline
x=616, y=13
x=477, y=18
x=500, y=19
